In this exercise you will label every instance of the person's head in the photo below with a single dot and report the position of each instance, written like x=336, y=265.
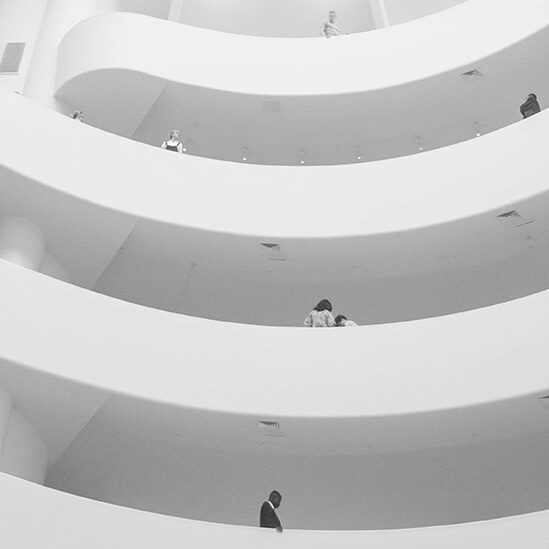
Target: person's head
x=340, y=320
x=175, y=135
x=332, y=16
x=275, y=498
x=77, y=115
x=532, y=96
x=324, y=305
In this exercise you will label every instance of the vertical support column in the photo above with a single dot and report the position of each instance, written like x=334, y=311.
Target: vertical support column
x=176, y=9
x=379, y=11
x=5, y=413
x=60, y=16
x=22, y=242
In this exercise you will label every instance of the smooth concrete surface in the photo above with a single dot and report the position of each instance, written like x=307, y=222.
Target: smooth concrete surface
x=20, y=21
x=24, y=454
x=145, y=217
x=22, y=242
x=254, y=66
x=276, y=98
x=151, y=465
x=411, y=383
x=93, y=524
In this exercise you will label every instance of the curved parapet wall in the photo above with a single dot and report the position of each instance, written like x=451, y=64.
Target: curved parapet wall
x=427, y=209
x=93, y=524
x=360, y=97
x=400, y=381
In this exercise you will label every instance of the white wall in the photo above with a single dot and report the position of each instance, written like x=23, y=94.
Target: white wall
x=189, y=285
x=413, y=489
x=24, y=454
x=284, y=18
x=214, y=373
x=94, y=524
x=221, y=99
x=402, y=11
x=20, y=22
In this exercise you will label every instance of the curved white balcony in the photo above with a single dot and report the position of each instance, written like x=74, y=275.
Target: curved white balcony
x=360, y=97
x=220, y=367
x=158, y=401
x=95, y=524
x=157, y=228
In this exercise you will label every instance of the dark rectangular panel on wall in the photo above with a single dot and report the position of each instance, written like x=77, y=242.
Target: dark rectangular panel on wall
x=12, y=57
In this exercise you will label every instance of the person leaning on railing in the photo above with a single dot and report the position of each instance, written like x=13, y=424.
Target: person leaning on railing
x=530, y=106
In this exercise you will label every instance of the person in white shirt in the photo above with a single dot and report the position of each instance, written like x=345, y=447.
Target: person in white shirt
x=173, y=143
x=342, y=322
x=329, y=28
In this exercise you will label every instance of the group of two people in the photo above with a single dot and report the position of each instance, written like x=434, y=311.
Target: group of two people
x=321, y=317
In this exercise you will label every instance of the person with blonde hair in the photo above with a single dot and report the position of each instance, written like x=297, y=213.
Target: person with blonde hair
x=173, y=143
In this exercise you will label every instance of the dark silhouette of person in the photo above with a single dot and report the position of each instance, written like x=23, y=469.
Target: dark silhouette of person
x=530, y=106
x=268, y=517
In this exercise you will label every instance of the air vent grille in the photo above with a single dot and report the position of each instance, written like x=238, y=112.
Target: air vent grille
x=12, y=57
x=472, y=75
x=272, y=251
x=269, y=428
x=513, y=218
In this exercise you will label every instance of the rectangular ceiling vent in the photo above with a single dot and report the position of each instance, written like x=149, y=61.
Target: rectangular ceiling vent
x=271, y=247
x=12, y=57
x=472, y=76
x=272, y=251
x=269, y=428
x=513, y=218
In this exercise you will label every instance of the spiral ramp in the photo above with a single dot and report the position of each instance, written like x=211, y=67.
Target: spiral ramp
x=155, y=380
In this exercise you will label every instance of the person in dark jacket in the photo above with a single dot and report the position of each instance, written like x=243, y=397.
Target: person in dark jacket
x=530, y=106
x=268, y=517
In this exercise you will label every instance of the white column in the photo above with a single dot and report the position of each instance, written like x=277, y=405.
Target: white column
x=22, y=242
x=24, y=454
x=5, y=413
x=176, y=9
x=379, y=11
x=60, y=17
